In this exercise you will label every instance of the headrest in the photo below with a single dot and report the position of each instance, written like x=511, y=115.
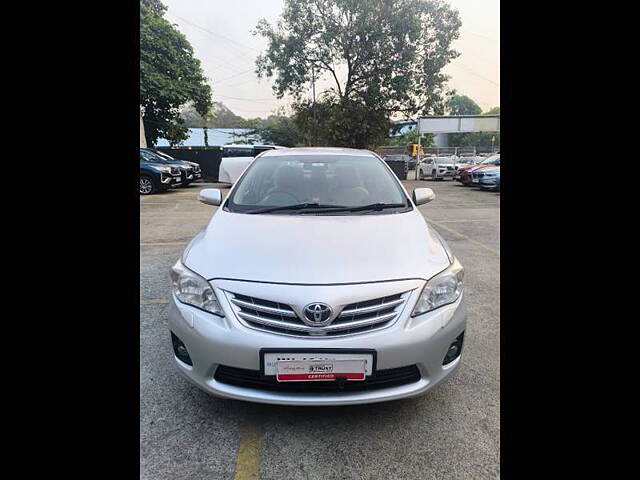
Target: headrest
x=347, y=176
x=288, y=176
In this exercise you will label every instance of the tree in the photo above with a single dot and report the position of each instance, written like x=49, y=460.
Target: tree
x=281, y=130
x=383, y=57
x=463, y=105
x=219, y=116
x=170, y=76
x=411, y=136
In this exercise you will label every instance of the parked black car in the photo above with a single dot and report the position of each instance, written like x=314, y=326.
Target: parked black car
x=158, y=176
x=186, y=169
x=197, y=171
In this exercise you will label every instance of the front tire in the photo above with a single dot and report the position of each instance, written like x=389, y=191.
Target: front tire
x=147, y=186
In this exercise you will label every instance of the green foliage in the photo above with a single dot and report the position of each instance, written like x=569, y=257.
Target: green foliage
x=463, y=105
x=412, y=137
x=382, y=56
x=280, y=130
x=342, y=122
x=493, y=111
x=219, y=116
x=170, y=76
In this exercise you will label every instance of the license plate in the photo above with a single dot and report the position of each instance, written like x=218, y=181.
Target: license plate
x=475, y=180
x=317, y=366
x=320, y=370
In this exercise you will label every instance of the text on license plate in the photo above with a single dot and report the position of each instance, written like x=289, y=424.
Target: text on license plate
x=320, y=370
x=326, y=363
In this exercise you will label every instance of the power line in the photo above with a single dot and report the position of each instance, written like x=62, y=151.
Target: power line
x=481, y=36
x=250, y=99
x=233, y=76
x=212, y=33
x=473, y=72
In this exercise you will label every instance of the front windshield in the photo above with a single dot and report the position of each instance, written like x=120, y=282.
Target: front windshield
x=164, y=155
x=327, y=180
x=148, y=156
x=491, y=160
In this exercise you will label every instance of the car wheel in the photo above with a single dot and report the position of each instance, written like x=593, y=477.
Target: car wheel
x=147, y=187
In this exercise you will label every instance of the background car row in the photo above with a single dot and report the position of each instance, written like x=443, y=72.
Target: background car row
x=159, y=172
x=485, y=174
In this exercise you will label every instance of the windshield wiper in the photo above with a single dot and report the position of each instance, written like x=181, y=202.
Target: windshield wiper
x=298, y=206
x=373, y=206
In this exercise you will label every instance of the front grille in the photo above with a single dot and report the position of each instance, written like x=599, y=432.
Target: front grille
x=392, y=377
x=354, y=318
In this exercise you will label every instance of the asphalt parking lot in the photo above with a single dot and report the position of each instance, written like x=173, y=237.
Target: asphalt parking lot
x=451, y=432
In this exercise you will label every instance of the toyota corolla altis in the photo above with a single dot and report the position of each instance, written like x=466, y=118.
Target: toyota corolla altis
x=317, y=282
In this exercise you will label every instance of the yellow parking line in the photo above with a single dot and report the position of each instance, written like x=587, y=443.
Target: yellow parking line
x=161, y=244
x=248, y=459
x=475, y=242
x=154, y=301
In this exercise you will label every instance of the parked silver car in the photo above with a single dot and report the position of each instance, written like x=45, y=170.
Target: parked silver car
x=298, y=291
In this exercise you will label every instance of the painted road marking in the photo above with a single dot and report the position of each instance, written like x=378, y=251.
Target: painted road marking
x=475, y=242
x=154, y=301
x=162, y=244
x=248, y=459
x=467, y=221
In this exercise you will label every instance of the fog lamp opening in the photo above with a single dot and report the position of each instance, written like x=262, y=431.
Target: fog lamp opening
x=180, y=350
x=454, y=351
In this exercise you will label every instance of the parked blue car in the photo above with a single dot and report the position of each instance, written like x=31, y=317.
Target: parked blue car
x=157, y=177
x=490, y=179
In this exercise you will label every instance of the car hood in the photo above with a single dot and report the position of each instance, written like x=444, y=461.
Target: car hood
x=316, y=249
x=462, y=167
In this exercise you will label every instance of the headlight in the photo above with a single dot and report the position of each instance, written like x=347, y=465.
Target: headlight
x=443, y=289
x=192, y=289
x=162, y=169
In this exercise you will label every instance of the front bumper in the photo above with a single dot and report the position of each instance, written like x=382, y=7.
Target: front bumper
x=489, y=183
x=168, y=180
x=212, y=341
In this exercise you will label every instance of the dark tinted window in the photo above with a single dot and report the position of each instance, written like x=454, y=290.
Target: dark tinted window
x=237, y=152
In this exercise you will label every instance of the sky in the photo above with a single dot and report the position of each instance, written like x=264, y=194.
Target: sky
x=220, y=33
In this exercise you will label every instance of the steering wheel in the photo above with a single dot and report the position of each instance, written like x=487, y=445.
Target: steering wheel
x=283, y=192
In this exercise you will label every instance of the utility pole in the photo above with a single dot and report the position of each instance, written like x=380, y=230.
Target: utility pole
x=315, y=120
x=419, y=148
x=143, y=138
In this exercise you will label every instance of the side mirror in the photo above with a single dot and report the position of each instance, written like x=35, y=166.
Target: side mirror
x=210, y=196
x=423, y=195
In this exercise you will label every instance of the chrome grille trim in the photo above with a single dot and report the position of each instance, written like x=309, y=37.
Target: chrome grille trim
x=279, y=318
x=264, y=308
x=275, y=323
x=373, y=308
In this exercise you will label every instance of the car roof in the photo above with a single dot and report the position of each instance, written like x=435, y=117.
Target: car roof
x=318, y=151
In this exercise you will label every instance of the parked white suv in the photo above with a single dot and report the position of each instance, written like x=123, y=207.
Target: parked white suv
x=437, y=167
x=298, y=291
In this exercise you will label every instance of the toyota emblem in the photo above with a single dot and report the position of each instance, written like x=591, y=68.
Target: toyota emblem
x=317, y=313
